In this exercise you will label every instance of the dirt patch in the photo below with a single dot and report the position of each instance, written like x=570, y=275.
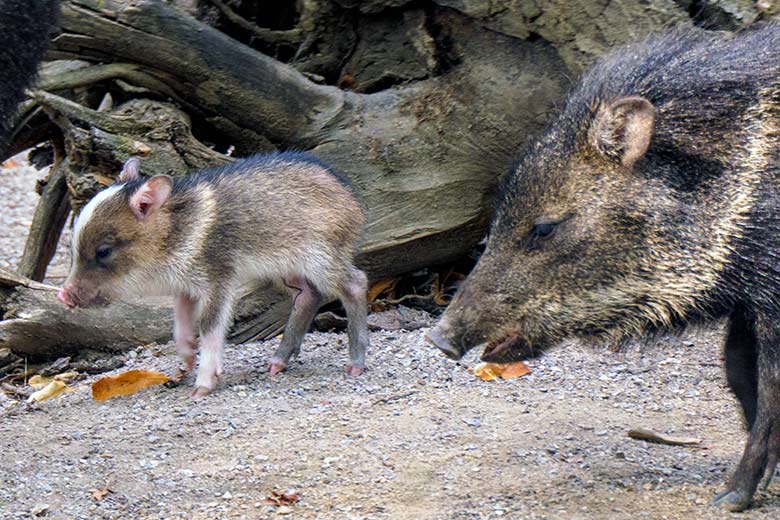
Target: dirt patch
x=416, y=437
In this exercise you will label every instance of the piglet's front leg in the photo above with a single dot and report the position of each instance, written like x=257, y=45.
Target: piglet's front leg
x=213, y=327
x=184, y=316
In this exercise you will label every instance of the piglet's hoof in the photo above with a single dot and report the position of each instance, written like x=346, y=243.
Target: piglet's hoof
x=275, y=367
x=188, y=364
x=354, y=370
x=199, y=392
x=731, y=500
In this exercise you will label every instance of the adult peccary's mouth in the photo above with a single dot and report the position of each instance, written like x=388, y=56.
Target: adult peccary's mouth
x=509, y=349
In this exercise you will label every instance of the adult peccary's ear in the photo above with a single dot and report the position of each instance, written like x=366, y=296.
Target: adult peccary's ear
x=623, y=129
x=150, y=196
x=131, y=171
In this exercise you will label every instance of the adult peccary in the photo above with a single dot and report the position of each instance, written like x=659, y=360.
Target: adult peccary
x=286, y=217
x=651, y=202
x=25, y=27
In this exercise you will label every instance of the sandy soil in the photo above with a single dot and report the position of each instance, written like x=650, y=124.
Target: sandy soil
x=416, y=437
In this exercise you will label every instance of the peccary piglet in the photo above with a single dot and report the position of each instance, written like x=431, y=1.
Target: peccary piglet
x=285, y=217
x=652, y=201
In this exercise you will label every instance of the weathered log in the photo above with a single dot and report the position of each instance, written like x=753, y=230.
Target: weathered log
x=35, y=324
x=424, y=159
x=50, y=216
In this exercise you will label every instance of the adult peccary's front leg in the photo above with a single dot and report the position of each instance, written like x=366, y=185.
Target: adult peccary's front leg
x=763, y=444
x=354, y=298
x=306, y=303
x=742, y=363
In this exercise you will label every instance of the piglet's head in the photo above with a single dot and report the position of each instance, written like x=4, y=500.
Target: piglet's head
x=118, y=234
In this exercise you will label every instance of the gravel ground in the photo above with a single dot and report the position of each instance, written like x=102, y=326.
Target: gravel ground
x=416, y=437
x=17, y=191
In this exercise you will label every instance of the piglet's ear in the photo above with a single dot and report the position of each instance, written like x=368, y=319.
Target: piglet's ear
x=151, y=196
x=130, y=171
x=623, y=129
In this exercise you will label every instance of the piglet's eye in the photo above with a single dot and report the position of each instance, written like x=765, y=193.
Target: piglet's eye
x=103, y=252
x=543, y=230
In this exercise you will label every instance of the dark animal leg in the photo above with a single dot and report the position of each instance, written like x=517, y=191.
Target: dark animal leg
x=763, y=445
x=306, y=303
x=353, y=295
x=741, y=364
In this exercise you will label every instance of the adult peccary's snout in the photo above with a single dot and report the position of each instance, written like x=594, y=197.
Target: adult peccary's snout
x=652, y=201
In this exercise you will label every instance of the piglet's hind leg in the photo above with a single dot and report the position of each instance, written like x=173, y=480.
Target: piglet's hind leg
x=354, y=298
x=306, y=303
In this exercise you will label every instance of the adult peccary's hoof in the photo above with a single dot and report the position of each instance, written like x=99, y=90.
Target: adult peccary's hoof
x=276, y=367
x=732, y=500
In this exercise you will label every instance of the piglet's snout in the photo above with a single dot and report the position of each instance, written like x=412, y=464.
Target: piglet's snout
x=64, y=295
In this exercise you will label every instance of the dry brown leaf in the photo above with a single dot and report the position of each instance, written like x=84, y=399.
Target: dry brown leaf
x=52, y=389
x=491, y=371
x=100, y=494
x=10, y=163
x=381, y=287
x=126, y=383
x=279, y=498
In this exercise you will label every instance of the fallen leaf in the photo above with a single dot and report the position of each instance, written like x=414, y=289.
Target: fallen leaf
x=649, y=435
x=53, y=389
x=279, y=498
x=102, y=179
x=66, y=376
x=126, y=383
x=381, y=287
x=38, y=381
x=491, y=371
x=100, y=494
x=10, y=163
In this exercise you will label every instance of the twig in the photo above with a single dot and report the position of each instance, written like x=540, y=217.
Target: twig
x=649, y=435
x=290, y=36
x=15, y=390
x=391, y=398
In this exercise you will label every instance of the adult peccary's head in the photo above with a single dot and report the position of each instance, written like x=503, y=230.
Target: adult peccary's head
x=120, y=233
x=637, y=209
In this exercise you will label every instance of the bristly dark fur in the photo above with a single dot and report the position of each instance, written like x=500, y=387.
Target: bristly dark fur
x=25, y=30
x=708, y=76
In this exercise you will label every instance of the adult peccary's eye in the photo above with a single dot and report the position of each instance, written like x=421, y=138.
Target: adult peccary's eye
x=544, y=230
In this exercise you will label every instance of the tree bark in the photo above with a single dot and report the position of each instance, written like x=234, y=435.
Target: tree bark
x=48, y=221
x=37, y=325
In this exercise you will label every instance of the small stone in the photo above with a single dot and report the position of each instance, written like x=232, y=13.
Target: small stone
x=475, y=422
x=227, y=495
x=40, y=509
x=284, y=510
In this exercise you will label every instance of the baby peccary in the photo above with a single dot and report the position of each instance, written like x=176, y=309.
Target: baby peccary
x=283, y=217
x=651, y=202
